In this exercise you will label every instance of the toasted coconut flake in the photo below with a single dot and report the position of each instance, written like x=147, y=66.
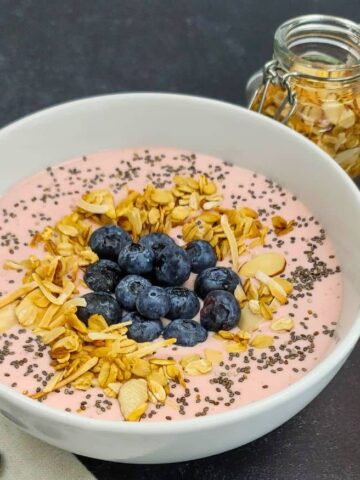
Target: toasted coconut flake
x=97, y=323
x=56, y=378
x=104, y=336
x=52, y=335
x=11, y=265
x=161, y=361
x=232, y=242
x=64, y=295
x=20, y=292
x=152, y=348
x=117, y=326
x=83, y=369
x=51, y=311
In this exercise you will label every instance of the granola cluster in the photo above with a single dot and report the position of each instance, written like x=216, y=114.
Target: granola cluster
x=96, y=354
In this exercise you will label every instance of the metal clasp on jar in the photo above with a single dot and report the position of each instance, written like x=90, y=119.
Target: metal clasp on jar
x=274, y=74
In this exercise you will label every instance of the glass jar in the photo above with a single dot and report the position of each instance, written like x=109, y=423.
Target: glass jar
x=313, y=84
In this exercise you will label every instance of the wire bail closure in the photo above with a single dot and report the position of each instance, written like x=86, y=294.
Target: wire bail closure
x=275, y=74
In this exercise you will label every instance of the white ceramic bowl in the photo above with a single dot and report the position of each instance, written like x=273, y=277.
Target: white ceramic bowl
x=238, y=136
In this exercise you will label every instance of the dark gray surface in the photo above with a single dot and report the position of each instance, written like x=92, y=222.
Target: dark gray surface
x=53, y=51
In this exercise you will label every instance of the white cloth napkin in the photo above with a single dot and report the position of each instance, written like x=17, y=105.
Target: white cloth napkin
x=23, y=457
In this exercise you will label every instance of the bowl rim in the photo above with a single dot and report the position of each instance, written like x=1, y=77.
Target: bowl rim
x=314, y=376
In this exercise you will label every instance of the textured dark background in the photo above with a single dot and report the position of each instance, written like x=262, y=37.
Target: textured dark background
x=53, y=51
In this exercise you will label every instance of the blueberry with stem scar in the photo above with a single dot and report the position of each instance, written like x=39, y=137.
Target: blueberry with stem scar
x=108, y=241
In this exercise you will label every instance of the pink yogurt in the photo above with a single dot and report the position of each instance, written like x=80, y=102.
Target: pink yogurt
x=240, y=379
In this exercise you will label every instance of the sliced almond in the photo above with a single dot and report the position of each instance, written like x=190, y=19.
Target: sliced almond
x=240, y=295
x=232, y=241
x=20, y=292
x=347, y=118
x=235, y=347
x=333, y=110
x=262, y=341
x=179, y=214
x=141, y=367
x=272, y=263
x=282, y=324
x=8, y=317
x=91, y=207
x=157, y=391
x=133, y=395
x=189, y=358
x=265, y=311
x=249, y=321
x=162, y=197
x=274, y=305
x=198, y=367
x=136, y=414
x=213, y=356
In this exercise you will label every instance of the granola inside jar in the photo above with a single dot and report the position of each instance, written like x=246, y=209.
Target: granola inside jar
x=313, y=84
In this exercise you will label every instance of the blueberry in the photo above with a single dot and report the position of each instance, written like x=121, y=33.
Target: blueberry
x=128, y=290
x=156, y=241
x=187, y=332
x=153, y=302
x=103, y=276
x=220, y=311
x=100, y=304
x=108, y=241
x=216, y=278
x=202, y=255
x=135, y=258
x=172, y=266
x=142, y=329
x=183, y=303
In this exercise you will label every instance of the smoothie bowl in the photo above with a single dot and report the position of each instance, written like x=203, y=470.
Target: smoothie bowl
x=178, y=276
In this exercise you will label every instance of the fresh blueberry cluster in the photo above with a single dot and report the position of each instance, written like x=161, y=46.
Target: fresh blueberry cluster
x=142, y=283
